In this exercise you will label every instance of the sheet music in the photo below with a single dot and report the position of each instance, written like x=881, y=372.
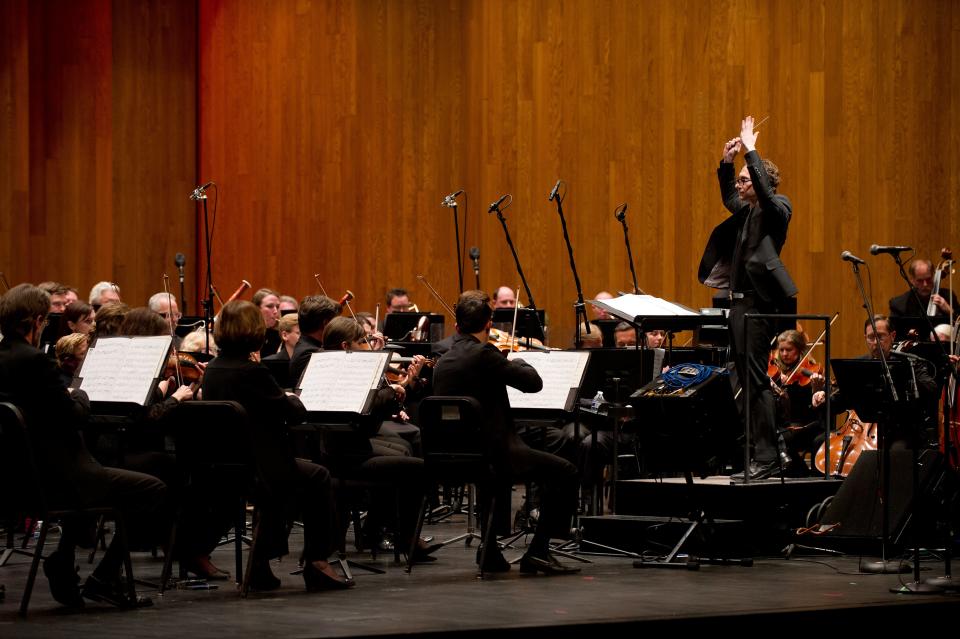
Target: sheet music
x=560, y=371
x=341, y=381
x=631, y=306
x=123, y=369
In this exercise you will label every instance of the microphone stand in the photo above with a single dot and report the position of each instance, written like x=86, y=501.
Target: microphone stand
x=579, y=309
x=183, y=295
x=935, y=584
x=506, y=232
x=882, y=566
x=622, y=218
x=456, y=232
x=200, y=194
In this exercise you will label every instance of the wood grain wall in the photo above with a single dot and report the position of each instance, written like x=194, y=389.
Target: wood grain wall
x=99, y=142
x=335, y=128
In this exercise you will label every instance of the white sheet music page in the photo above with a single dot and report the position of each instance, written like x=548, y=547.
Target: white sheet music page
x=123, y=369
x=630, y=306
x=341, y=381
x=560, y=371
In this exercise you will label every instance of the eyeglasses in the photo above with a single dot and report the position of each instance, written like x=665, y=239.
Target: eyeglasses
x=166, y=314
x=743, y=180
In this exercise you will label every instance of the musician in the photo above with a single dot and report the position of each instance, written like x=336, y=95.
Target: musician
x=58, y=295
x=291, y=485
x=72, y=477
x=109, y=318
x=593, y=339
x=103, y=293
x=398, y=301
x=289, y=329
x=923, y=371
x=504, y=297
x=312, y=317
x=625, y=335
x=797, y=420
x=655, y=339
x=288, y=305
x=165, y=305
x=70, y=351
x=598, y=312
x=269, y=303
x=921, y=276
x=743, y=254
x=474, y=368
x=78, y=317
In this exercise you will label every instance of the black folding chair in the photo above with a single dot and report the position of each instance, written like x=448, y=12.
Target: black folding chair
x=25, y=496
x=451, y=430
x=215, y=452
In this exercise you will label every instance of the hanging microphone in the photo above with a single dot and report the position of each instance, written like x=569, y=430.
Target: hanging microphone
x=621, y=212
x=876, y=249
x=450, y=200
x=553, y=193
x=847, y=256
x=180, y=261
x=198, y=192
x=475, y=256
x=496, y=205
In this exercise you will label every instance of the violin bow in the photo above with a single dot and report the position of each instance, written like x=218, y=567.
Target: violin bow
x=436, y=296
x=816, y=342
x=513, y=329
x=173, y=334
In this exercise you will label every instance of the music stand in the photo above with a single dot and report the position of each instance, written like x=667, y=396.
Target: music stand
x=530, y=321
x=866, y=390
x=684, y=428
x=396, y=326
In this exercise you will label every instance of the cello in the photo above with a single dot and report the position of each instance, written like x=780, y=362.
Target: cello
x=846, y=445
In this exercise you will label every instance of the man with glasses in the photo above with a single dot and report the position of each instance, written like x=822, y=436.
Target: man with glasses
x=743, y=256
x=165, y=305
x=921, y=276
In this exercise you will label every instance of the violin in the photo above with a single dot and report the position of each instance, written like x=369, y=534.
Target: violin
x=801, y=376
x=187, y=365
x=846, y=445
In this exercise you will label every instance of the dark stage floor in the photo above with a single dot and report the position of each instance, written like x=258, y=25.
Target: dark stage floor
x=609, y=596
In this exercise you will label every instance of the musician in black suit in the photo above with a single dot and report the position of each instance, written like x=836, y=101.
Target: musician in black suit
x=289, y=485
x=906, y=305
x=743, y=254
x=474, y=368
x=72, y=477
x=312, y=317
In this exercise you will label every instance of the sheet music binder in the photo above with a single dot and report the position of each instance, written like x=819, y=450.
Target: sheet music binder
x=650, y=312
x=121, y=372
x=342, y=383
x=562, y=372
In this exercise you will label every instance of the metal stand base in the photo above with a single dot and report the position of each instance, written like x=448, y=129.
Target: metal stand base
x=886, y=566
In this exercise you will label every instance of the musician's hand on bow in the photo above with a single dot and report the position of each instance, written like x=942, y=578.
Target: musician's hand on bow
x=183, y=394
x=255, y=357
x=415, y=366
x=940, y=303
x=399, y=392
x=817, y=382
x=730, y=150
x=747, y=135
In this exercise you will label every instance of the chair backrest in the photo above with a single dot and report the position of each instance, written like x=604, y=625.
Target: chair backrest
x=21, y=491
x=451, y=428
x=213, y=442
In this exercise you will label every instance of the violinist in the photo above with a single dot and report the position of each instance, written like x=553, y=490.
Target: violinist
x=314, y=314
x=504, y=297
x=922, y=369
x=794, y=384
x=103, y=293
x=78, y=317
x=398, y=300
x=593, y=339
x=58, y=295
x=71, y=350
x=474, y=368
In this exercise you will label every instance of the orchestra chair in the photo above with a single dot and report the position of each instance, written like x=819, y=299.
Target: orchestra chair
x=451, y=429
x=25, y=496
x=214, y=447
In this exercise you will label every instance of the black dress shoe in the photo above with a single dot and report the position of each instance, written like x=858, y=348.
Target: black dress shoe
x=64, y=580
x=759, y=470
x=531, y=565
x=317, y=580
x=214, y=574
x=494, y=561
x=113, y=592
x=424, y=554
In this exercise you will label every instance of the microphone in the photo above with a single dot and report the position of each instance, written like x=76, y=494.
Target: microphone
x=198, y=192
x=496, y=205
x=450, y=200
x=876, y=249
x=847, y=256
x=180, y=260
x=553, y=193
x=475, y=256
x=621, y=213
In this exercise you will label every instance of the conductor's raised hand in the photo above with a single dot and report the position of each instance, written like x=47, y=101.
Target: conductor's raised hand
x=730, y=150
x=747, y=135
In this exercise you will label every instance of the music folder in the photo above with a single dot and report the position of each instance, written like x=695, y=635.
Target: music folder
x=562, y=373
x=122, y=371
x=342, y=382
x=650, y=312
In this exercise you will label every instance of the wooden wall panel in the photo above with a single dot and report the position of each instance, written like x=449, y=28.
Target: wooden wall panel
x=99, y=136
x=334, y=128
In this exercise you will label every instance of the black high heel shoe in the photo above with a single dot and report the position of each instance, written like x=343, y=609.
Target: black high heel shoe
x=316, y=580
